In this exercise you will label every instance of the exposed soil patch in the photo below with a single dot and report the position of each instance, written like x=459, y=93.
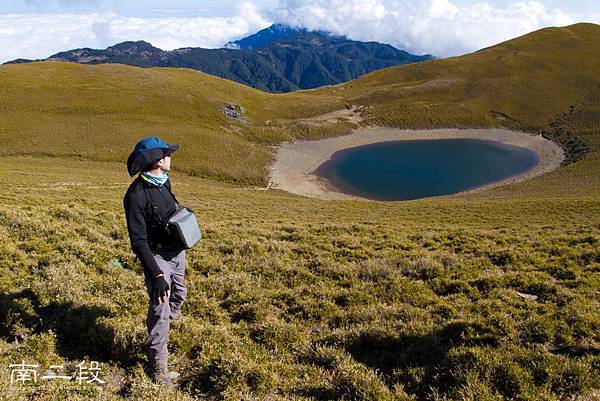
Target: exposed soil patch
x=293, y=169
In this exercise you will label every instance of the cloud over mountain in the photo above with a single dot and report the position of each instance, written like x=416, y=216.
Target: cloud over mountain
x=440, y=27
x=39, y=35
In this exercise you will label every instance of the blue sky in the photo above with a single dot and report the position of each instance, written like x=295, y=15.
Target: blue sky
x=139, y=8
x=39, y=28
x=220, y=8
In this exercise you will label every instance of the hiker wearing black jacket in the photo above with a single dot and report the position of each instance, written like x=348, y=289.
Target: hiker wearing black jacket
x=148, y=203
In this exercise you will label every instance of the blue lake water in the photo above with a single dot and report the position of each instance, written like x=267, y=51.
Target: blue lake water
x=402, y=170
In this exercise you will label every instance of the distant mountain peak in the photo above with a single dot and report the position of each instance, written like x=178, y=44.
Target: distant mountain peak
x=137, y=48
x=263, y=37
x=132, y=45
x=278, y=32
x=279, y=58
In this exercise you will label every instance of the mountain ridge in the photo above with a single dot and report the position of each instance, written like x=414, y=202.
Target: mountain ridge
x=283, y=59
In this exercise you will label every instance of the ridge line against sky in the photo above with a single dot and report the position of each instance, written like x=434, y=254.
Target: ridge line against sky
x=38, y=28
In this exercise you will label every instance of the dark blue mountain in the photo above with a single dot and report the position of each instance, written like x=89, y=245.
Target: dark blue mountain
x=276, y=59
x=271, y=34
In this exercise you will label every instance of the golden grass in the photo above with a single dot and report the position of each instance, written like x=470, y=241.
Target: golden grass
x=295, y=298
x=99, y=111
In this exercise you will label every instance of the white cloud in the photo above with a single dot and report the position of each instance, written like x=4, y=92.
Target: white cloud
x=438, y=27
x=40, y=35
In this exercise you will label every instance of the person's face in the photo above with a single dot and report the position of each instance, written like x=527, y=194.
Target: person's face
x=165, y=163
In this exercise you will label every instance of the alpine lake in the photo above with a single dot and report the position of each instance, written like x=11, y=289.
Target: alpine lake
x=412, y=169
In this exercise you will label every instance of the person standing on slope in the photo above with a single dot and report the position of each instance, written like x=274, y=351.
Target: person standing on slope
x=148, y=202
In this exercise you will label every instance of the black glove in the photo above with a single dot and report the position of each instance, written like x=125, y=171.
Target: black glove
x=160, y=289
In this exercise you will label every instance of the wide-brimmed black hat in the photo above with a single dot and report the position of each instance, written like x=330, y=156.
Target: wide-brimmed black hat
x=146, y=152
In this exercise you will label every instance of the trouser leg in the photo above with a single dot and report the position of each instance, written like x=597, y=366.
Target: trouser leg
x=178, y=290
x=157, y=320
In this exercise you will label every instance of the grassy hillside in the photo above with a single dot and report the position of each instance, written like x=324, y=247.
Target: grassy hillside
x=98, y=112
x=515, y=82
x=487, y=296
x=292, y=298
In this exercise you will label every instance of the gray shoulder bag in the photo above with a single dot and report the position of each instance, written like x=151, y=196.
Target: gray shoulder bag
x=181, y=224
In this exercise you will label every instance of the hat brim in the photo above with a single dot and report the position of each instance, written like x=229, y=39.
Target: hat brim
x=135, y=164
x=172, y=148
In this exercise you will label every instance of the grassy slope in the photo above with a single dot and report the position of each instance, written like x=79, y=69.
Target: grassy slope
x=99, y=111
x=519, y=78
x=292, y=297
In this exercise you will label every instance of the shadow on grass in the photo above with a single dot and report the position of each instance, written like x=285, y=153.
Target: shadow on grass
x=413, y=360
x=419, y=362
x=80, y=333
x=416, y=362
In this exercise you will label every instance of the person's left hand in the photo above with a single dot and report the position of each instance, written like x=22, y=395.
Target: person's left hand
x=161, y=290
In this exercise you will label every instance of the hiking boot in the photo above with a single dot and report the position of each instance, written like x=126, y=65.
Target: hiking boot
x=162, y=375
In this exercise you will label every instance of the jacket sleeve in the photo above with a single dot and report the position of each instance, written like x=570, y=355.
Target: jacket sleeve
x=135, y=214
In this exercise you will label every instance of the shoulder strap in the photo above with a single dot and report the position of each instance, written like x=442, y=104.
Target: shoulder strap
x=156, y=221
x=153, y=207
x=168, y=185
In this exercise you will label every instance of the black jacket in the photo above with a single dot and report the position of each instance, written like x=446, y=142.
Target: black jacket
x=144, y=236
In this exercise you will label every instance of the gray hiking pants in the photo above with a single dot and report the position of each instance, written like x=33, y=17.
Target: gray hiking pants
x=172, y=264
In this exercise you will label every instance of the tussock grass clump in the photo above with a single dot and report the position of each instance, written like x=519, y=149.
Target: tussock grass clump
x=292, y=298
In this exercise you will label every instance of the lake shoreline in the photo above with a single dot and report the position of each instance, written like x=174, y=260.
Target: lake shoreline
x=295, y=163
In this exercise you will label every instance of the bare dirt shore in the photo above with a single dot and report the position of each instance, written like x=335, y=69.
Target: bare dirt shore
x=295, y=163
